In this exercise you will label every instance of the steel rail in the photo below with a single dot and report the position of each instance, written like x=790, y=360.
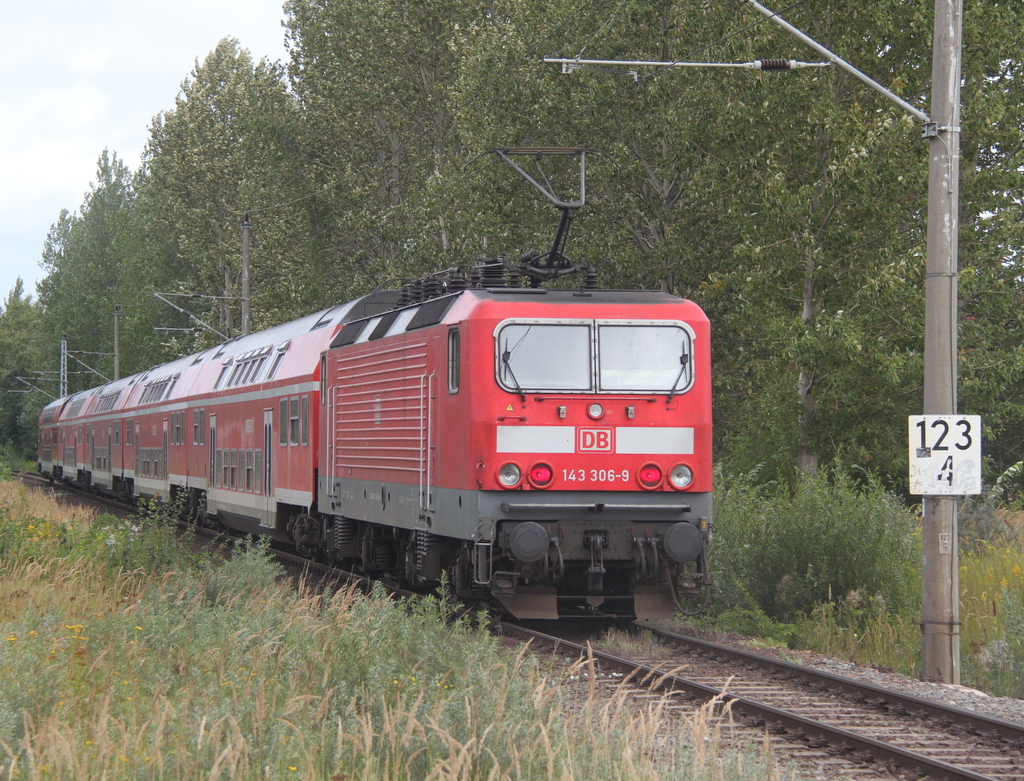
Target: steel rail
x=981, y=724
x=855, y=746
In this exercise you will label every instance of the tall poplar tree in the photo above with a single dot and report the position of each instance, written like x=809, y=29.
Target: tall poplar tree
x=220, y=152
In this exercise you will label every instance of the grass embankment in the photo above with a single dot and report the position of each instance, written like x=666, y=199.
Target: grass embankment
x=124, y=655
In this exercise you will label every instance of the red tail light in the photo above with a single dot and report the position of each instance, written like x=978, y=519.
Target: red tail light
x=541, y=475
x=649, y=476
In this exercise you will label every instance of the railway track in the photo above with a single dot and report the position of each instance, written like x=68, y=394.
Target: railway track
x=99, y=501
x=823, y=717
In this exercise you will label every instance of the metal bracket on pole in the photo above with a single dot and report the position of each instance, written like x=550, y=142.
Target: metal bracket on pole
x=189, y=314
x=103, y=377
x=573, y=64
x=857, y=74
x=33, y=387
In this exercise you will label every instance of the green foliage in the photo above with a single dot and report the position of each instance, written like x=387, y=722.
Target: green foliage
x=983, y=519
x=9, y=460
x=785, y=551
x=20, y=356
x=85, y=261
x=790, y=206
x=150, y=544
x=220, y=669
x=250, y=569
x=750, y=620
x=865, y=630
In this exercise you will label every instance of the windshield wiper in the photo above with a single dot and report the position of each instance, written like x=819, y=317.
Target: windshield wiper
x=508, y=367
x=684, y=361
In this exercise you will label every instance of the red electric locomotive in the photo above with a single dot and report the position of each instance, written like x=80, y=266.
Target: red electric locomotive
x=549, y=450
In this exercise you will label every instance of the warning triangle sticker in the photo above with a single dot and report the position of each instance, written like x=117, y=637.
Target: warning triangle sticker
x=508, y=408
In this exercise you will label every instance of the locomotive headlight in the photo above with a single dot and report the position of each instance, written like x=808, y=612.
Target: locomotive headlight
x=595, y=411
x=649, y=476
x=509, y=475
x=541, y=475
x=680, y=476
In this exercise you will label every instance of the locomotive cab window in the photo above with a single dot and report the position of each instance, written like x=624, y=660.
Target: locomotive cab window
x=606, y=357
x=645, y=358
x=544, y=357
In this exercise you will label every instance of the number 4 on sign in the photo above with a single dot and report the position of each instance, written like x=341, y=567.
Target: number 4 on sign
x=946, y=471
x=945, y=455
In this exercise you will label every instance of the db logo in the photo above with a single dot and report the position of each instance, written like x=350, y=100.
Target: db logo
x=594, y=440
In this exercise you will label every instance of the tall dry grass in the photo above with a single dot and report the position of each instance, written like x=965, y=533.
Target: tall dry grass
x=183, y=670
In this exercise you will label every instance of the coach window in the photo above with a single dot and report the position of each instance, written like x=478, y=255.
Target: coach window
x=248, y=470
x=257, y=474
x=195, y=427
x=293, y=427
x=282, y=423
x=234, y=468
x=277, y=362
x=129, y=440
x=305, y=420
x=218, y=466
x=453, y=361
x=202, y=427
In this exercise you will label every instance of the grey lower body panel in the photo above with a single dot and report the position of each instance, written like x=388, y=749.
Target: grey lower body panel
x=542, y=554
x=458, y=513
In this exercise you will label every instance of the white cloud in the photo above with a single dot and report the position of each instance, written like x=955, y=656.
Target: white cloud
x=82, y=76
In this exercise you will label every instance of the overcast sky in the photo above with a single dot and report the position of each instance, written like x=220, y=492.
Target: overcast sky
x=81, y=76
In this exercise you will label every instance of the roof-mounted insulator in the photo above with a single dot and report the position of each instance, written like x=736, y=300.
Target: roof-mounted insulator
x=492, y=273
x=458, y=282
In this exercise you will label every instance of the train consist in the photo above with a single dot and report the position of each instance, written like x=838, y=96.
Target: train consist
x=548, y=450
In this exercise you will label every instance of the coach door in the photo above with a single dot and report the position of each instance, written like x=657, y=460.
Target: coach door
x=213, y=478
x=268, y=468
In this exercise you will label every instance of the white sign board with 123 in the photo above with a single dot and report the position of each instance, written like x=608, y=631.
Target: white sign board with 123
x=945, y=455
